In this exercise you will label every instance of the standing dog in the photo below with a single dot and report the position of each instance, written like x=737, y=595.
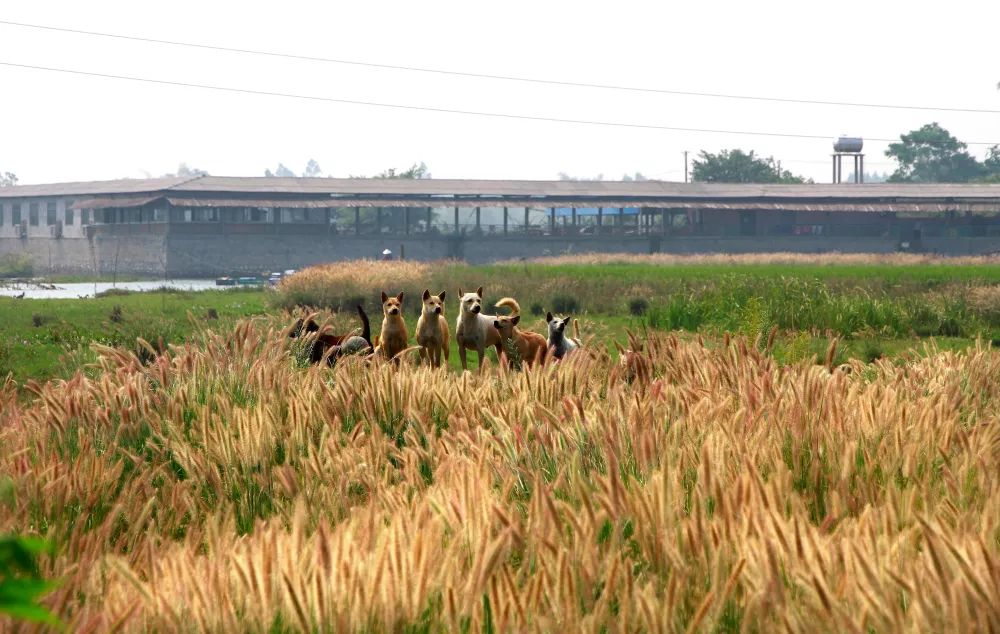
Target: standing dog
x=394, y=336
x=474, y=330
x=530, y=346
x=432, y=329
x=558, y=342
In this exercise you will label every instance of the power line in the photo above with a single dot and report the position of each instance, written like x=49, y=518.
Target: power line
x=511, y=78
x=476, y=113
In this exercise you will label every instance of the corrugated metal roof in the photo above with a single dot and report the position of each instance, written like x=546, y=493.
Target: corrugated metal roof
x=371, y=192
x=91, y=188
x=520, y=188
x=116, y=203
x=254, y=202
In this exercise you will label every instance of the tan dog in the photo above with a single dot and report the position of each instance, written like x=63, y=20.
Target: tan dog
x=394, y=335
x=475, y=330
x=530, y=346
x=432, y=329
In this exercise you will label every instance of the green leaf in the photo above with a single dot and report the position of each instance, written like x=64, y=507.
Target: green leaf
x=30, y=612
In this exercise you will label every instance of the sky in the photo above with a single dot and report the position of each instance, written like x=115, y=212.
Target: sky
x=67, y=127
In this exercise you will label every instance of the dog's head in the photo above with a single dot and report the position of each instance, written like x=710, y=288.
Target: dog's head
x=433, y=304
x=472, y=302
x=557, y=326
x=302, y=327
x=392, y=305
x=505, y=325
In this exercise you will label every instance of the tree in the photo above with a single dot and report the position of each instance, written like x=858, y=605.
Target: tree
x=8, y=179
x=737, y=166
x=313, y=170
x=281, y=171
x=184, y=170
x=416, y=171
x=932, y=155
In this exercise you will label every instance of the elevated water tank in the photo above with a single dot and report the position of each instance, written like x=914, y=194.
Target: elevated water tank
x=848, y=144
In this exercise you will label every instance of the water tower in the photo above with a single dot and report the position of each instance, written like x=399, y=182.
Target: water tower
x=848, y=146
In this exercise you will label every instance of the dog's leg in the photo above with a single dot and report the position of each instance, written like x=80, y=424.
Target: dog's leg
x=461, y=355
x=482, y=355
x=437, y=357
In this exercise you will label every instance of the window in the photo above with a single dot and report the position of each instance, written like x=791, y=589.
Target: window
x=51, y=214
x=33, y=214
x=68, y=216
x=259, y=214
x=15, y=214
x=84, y=216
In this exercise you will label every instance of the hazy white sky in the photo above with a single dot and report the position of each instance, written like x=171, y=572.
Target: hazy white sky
x=59, y=127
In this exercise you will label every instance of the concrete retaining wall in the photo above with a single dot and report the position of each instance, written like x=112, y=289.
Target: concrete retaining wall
x=155, y=250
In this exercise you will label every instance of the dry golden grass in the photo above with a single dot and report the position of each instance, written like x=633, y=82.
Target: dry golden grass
x=776, y=258
x=224, y=487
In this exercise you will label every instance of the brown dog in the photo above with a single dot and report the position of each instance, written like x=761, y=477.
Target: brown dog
x=432, y=329
x=394, y=335
x=531, y=347
x=330, y=346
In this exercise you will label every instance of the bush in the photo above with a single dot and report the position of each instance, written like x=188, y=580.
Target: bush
x=565, y=305
x=637, y=306
x=116, y=314
x=38, y=320
x=536, y=309
x=14, y=265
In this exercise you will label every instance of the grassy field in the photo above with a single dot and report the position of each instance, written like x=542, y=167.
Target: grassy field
x=225, y=487
x=877, y=306
x=756, y=481
x=42, y=339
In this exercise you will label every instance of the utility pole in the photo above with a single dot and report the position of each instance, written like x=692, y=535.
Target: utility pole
x=685, y=166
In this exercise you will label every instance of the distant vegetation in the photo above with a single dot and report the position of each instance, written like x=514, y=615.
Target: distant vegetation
x=15, y=265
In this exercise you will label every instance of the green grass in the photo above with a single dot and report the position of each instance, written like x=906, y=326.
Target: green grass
x=46, y=338
x=875, y=310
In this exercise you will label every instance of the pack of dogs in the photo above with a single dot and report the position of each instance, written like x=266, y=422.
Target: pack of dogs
x=474, y=331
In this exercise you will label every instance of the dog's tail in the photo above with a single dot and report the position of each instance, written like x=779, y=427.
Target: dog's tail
x=576, y=328
x=511, y=303
x=366, y=327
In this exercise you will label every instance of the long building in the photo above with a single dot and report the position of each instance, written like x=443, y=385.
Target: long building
x=212, y=225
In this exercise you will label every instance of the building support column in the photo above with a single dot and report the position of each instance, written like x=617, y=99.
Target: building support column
x=479, y=228
x=357, y=221
x=600, y=219
x=552, y=220
x=505, y=221
x=621, y=220
x=526, y=219
x=406, y=220
x=456, y=219
x=573, y=211
x=430, y=219
x=378, y=220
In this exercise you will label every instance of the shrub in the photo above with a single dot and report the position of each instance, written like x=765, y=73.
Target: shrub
x=536, y=309
x=637, y=306
x=212, y=314
x=14, y=265
x=565, y=305
x=38, y=320
x=116, y=314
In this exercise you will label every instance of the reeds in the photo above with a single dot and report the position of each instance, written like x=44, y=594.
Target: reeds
x=221, y=487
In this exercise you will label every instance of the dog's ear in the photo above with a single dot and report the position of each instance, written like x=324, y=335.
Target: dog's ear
x=479, y=292
x=496, y=324
x=441, y=296
x=548, y=317
x=460, y=293
x=384, y=297
x=427, y=295
x=399, y=297
x=515, y=319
